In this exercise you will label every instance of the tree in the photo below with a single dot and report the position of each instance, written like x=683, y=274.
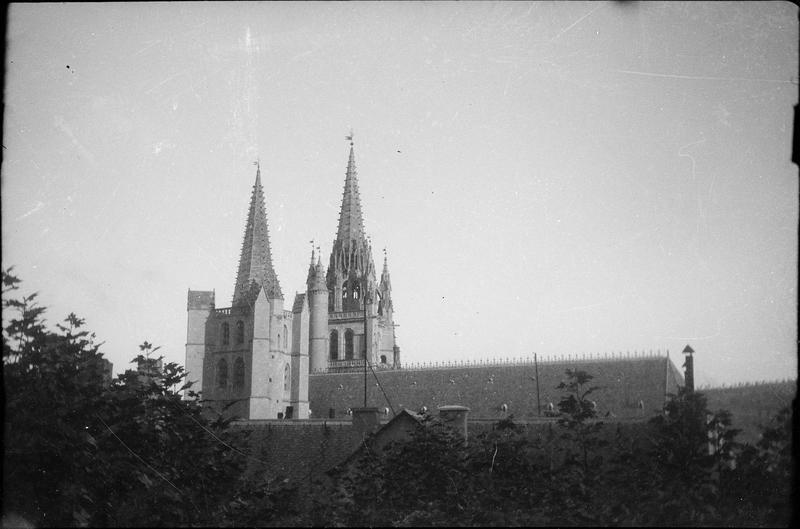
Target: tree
x=53, y=384
x=578, y=416
x=79, y=451
x=418, y=482
x=759, y=488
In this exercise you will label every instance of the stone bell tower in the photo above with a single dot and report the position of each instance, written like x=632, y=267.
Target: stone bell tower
x=359, y=307
x=246, y=355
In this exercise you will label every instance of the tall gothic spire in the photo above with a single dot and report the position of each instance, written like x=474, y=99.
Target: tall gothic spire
x=351, y=222
x=255, y=263
x=351, y=272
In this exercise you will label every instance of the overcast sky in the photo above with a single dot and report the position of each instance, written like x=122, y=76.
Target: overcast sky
x=546, y=177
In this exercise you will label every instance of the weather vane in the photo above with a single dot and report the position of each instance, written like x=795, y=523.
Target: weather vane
x=350, y=137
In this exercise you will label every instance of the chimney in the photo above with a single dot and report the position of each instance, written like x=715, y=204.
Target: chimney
x=366, y=420
x=455, y=417
x=689, y=368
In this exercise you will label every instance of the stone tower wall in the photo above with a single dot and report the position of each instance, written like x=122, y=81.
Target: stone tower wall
x=318, y=328
x=267, y=395
x=199, y=306
x=300, y=360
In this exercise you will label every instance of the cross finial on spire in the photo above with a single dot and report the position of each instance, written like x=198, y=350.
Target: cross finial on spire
x=350, y=136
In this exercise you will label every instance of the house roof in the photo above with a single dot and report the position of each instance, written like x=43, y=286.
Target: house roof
x=299, y=450
x=398, y=428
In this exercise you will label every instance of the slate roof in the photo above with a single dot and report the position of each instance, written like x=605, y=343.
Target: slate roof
x=623, y=383
x=299, y=450
x=201, y=299
x=304, y=451
x=299, y=299
x=753, y=406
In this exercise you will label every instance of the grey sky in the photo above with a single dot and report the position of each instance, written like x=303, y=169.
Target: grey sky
x=554, y=177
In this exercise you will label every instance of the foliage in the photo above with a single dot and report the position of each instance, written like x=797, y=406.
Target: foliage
x=83, y=450
x=763, y=476
x=684, y=467
x=578, y=417
x=433, y=460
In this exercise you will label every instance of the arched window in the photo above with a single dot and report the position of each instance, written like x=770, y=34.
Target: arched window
x=383, y=359
x=222, y=374
x=348, y=344
x=287, y=381
x=344, y=291
x=238, y=373
x=356, y=291
x=226, y=333
x=334, y=346
x=285, y=337
x=240, y=331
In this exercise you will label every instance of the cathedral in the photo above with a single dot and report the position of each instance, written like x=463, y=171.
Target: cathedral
x=261, y=358
x=253, y=359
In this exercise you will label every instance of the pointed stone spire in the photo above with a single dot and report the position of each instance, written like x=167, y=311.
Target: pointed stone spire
x=385, y=278
x=351, y=272
x=351, y=221
x=255, y=263
x=316, y=273
x=311, y=263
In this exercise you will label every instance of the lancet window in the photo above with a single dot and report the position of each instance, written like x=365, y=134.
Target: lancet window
x=222, y=374
x=238, y=373
x=348, y=344
x=334, y=345
x=240, y=332
x=226, y=333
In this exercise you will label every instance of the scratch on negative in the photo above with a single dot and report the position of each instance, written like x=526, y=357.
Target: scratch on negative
x=168, y=79
x=39, y=205
x=575, y=23
x=702, y=77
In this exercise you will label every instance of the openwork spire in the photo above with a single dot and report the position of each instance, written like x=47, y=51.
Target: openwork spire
x=351, y=221
x=351, y=272
x=255, y=263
